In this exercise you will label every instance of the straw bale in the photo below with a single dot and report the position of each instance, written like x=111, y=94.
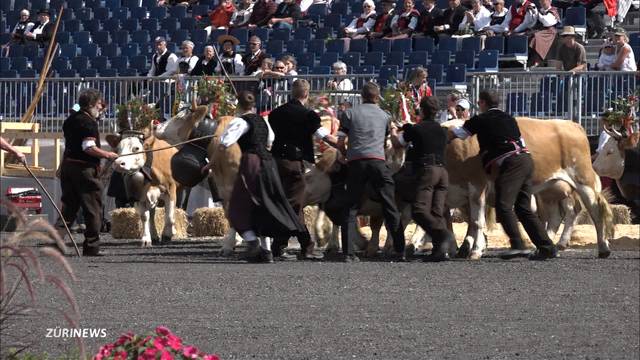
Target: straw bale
x=209, y=222
x=621, y=215
x=126, y=224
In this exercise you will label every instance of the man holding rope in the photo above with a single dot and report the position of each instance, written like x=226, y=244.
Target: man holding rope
x=80, y=169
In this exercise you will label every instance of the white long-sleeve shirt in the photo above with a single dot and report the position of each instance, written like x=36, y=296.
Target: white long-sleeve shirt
x=504, y=25
x=482, y=20
x=238, y=127
x=529, y=21
x=366, y=27
x=172, y=65
x=546, y=18
x=191, y=60
x=238, y=65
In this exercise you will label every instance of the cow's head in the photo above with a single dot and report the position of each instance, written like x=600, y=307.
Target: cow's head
x=610, y=160
x=130, y=142
x=179, y=127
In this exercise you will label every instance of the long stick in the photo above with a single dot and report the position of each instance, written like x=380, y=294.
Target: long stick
x=54, y=205
x=224, y=71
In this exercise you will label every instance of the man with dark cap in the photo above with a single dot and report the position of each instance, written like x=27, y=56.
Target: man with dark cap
x=163, y=62
x=294, y=126
x=42, y=31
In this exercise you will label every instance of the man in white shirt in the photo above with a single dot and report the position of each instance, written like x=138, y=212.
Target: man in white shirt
x=477, y=19
x=188, y=61
x=23, y=26
x=42, y=31
x=163, y=62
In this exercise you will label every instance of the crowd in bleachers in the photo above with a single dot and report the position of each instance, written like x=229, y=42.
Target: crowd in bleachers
x=118, y=37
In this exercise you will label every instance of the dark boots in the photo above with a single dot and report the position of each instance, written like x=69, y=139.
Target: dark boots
x=443, y=242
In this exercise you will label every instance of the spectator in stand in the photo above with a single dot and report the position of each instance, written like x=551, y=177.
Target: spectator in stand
x=163, y=62
x=306, y=4
x=625, y=58
x=265, y=67
x=572, y=55
x=41, y=31
x=206, y=64
x=428, y=19
x=382, y=26
x=188, y=61
x=416, y=89
x=476, y=20
x=488, y=4
x=242, y=15
x=23, y=26
x=521, y=17
x=253, y=58
x=543, y=40
x=498, y=23
x=291, y=64
x=463, y=107
x=263, y=92
x=341, y=83
x=230, y=59
x=262, y=12
x=607, y=56
x=403, y=25
x=363, y=24
x=221, y=17
x=286, y=15
x=450, y=21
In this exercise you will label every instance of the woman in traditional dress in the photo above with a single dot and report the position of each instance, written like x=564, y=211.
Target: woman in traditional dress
x=229, y=59
x=543, y=42
x=403, y=25
x=416, y=88
x=360, y=27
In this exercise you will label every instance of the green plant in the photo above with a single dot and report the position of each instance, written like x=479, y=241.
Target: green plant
x=216, y=92
x=622, y=113
x=135, y=114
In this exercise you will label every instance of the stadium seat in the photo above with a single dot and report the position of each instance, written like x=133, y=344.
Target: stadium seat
x=442, y=57
x=69, y=50
x=37, y=4
x=262, y=33
x=38, y=63
x=179, y=36
x=112, y=4
x=101, y=37
x=88, y=73
x=359, y=45
x=84, y=14
x=130, y=25
x=67, y=15
x=99, y=62
x=328, y=59
x=169, y=24
x=320, y=70
x=381, y=45
x=92, y=25
x=388, y=73
x=457, y=74
x=139, y=63
x=395, y=58
x=316, y=46
x=63, y=37
x=306, y=59
x=82, y=38
x=436, y=72
x=448, y=44
x=178, y=12
x=16, y=50
x=27, y=73
x=341, y=7
x=303, y=70
x=138, y=12
x=215, y=33
x=296, y=47
x=303, y=33
x=119, y=63
x=275, y=46
x=122, y=14
x=72, y=26
x=101, y=14
x=199, y=36
x=516, y=103
x=280, y=34
x=131, y=50
x=403, y=45
x=9, y=74
x=111, y=25
x=541, y=104
x=109, y=50
x=149, y=24
x=130, y=3
x=80, y=63
x=518, y=46
x=200, y=10
x=467, y=57
x=424, y=44
x=472, y=44
x=31, y=51
x=334, y=21
x=188, y=23
x=352, y=59
x=108, y=73
x=339, y=46
x=576, y=17
x=373, y=58
x=324, y=33
x=418, y=58
x=19, y=63
x=409, y=69
x=120, y=37
x=366, y=69
x=141, y=37
x=60, y=63
x=89, y=50
x=495, y=43
x=159, y=33
x=158, y=12
x=634, y=40
x=5, y=64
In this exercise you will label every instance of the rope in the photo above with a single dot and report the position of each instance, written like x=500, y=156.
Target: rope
x=54, y=205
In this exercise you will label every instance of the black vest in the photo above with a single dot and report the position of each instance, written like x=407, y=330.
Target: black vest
x=161, y=64
x=255, y=140
x=428, y=142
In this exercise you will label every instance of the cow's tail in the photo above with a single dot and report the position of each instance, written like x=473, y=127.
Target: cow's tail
x=606, y=216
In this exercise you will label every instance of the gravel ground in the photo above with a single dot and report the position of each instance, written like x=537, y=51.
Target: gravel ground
x=574, y=307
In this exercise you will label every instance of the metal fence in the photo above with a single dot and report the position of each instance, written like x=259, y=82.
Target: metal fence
x=579, y=97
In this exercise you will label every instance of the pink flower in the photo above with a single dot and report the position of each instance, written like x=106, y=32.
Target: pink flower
x=124, y=338
x=211, y=357
x=163, y=330
x=174, y=342
x=122, y=355
x=191, y=352
x=149, y=354
x=166, y=356
x=159, y=343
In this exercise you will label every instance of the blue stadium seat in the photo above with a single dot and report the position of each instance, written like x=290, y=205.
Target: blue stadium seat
x=139, y=63
x=101, y=37
x=80, y=63
x=19, y=63
x=494, y=43
x=215, y=33
x=119, y=62
x=131, y=50
x=356, y=8
x=149, y=24
x=179, y=36
x=138, y=12
x=72, y=26
x=410, y=68
x=151, y=3
x=317, y=10
x=111, y=25
x=112, y=4
x=306, y=59
x=436, y=72
x=67, y=15
x=303, y=33
x=5, y=37
x=37, y=63
x=199, y=10
x=169, y=24
x=334, y=21
x=381, y=45
x=316, y=46
x=130, y=25
x=172, y=47
x=395, y=58
x=108, y=72
x=69, y=50
x=467, y=57
x=140, y=37
x=9, y=74
x=328, y=58
x=418, y=58
x=324, y=33
x=99, y=62
x=93, y=4
x=60, y=63
x=159, y=33
x=28, y=73
x=67, y=73
x=576, y=17
x=92, y=25
x=109, y=50
x=359, y=45
x=89, y=50
x=541, y=104
x=516, y=103
x=388, y=73
x=122, y=14
x=16, y=50
x=457, y=74
x=130, y=3
x=120, y=37
x=303, y=70
x=403, y=45
x=188, y=23
x=240, y=34
x=373, y=58
x=442, y=57
x=296, y=47
x=280, y=34
x=365, y=69
x=337, y=45
x=101, y=14
x=352, y=59
x=262, y=33
x=448, y=44
x=517, y=45
x=199, y=36
x=178, y=12
x=31, y=51
x=471, y=43
x=320, y=70
x=82, y=38
x=159, y=12
x=340, y=7
x=84, y=14
x=36, y=4
x=88, y=73
x=5, y=64
x=634, y=40
x=275, y=46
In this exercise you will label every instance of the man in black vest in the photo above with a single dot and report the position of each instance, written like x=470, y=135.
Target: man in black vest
x=24, y=25
x=425, y=182
x=79, y=171
x=504, y=150
x=42, y=31
x=294, y=127
x=163, y=62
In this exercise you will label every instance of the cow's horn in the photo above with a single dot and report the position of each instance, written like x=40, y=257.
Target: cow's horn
x=613, y=132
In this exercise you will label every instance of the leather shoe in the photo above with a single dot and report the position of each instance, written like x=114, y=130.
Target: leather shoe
x=92, y=252
x=397, y=257
x=514, y=253
x=284, y=256
x=542, y=255
x=261, y=256
x=310, y=256
x=437, y=257
x=350, y=259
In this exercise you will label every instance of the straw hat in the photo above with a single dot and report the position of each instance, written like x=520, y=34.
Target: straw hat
x=568, y=30
x=224, y=38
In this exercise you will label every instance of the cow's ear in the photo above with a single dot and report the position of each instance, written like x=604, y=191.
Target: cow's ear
x=113, y=140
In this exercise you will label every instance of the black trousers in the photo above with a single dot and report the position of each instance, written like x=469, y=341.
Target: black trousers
x=81, y=188
x=378, y=174
x=292, y=177
x=513, y=190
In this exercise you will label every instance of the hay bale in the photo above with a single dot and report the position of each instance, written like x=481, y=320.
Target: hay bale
x=209, y=222
x=310, y=215
x=621, y=216
x=126, y=224
x=457, y=216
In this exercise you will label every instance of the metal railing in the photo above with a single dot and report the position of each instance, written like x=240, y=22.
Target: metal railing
x=561, y=95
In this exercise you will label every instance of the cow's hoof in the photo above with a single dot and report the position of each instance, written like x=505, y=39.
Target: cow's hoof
x=603, y=254
x=464, y=251
x=146, y=243
x=226, y=252
x=154, y=241
x=562, y=246
x=166, y=239
x=475, y=255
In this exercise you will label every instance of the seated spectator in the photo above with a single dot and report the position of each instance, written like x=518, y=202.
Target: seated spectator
x=521, y=17
x=286, y=15
x=23, y=26
x=291, y=64
x=450, y=21
x=488, y=4
x=625, y=58
x=262, y=12
x=230, y=60
x=206, y=64
x=188, y=61
x=571, y=55
x=416, y=87
x=306, y=4
x=498, y=23
x=450, y=112
x=41, y=31
x=476, y=20
x=428, y=19
x=403, y=25
x=543, y=40
x=163, y=62
x=382, y=26
x=607, y=56
x=463, y=107
x=242, y=15
x=221, y=17
x=360, y=27
x=342, y=83
x=267, y=65
x=253, y=58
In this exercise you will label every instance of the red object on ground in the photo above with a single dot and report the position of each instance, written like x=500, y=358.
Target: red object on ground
x=25, y=198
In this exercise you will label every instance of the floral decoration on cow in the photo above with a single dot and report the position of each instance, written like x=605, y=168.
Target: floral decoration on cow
x=623, y=112
x=216, y=92
x=163, y=344
x=135, y=114
x=395, y=101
